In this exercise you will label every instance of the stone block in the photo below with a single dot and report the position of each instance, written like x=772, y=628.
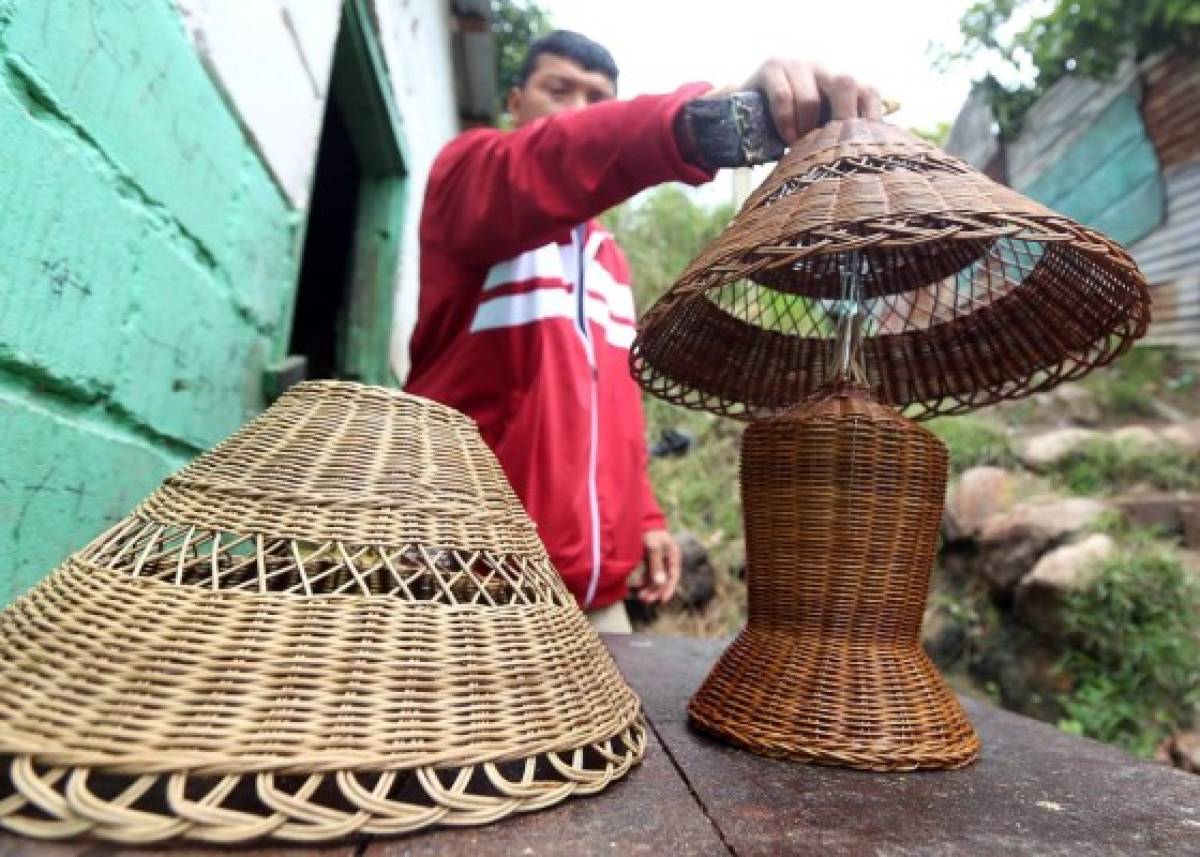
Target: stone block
x=1059, y=574
x=127, y=77
x=260, y=250
x=68, y=251
x=191, y=366
x=64, y=478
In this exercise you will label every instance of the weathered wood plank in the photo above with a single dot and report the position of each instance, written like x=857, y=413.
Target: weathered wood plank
x=650, y=812
x=1108, y=177
x=1035, y=791
x=17, y=846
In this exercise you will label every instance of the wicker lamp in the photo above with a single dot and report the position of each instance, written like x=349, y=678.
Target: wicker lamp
x=870, y=274
x=339, y=620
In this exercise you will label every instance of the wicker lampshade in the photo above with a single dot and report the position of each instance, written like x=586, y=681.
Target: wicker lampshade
x=842, y=500
x=972, y=293
x=339, y=620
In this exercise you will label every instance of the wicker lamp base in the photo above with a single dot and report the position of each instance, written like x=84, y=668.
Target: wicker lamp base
x=842, y=501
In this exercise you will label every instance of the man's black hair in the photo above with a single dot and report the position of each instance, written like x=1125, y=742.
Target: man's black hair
x=592, y=56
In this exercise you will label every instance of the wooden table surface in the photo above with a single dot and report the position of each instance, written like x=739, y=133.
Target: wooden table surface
x=1034, y=791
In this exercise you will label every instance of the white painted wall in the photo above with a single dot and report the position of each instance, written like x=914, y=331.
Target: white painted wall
x=272, y=60
x=416, y=36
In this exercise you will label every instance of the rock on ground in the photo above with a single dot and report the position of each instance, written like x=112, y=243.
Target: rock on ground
x=1011, y=542
x=1172, y=515
x=1043, y=451
x=1139, y=436
x=1183, y=751
x=981, y=492
x=1184, y=436
x=698, y=581
x=1077, y=404
x=1067, y=569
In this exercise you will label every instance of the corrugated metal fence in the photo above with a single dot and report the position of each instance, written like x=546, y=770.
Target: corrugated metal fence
x=1170, y=258
x=1122, y=155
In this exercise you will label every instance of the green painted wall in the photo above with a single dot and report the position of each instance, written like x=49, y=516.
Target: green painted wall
x=1109, y=177
x=147, y=264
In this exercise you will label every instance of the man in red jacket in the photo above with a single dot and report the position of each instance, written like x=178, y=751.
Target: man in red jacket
x=526, y=313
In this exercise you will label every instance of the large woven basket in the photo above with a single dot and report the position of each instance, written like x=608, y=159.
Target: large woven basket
x=339, y=620
x=973, y=293
x=843, y=501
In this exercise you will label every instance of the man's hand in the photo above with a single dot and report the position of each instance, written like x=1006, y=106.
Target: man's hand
x=794, y=89
x=664, y=562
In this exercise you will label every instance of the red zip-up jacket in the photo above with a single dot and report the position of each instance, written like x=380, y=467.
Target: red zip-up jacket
x=526, y=317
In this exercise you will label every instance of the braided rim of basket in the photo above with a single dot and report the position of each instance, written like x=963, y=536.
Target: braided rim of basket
x=949, y=757
x=972, y=292
x=57, y=803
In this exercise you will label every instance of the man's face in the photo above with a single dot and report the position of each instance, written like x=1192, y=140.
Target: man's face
x=557, y=84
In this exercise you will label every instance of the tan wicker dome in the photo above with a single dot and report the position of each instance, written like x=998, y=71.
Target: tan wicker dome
x=972, y=293
x=339, y=620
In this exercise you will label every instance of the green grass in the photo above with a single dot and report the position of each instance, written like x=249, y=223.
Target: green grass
x=1134, y=649
x=1131, y=385
x=973, y=441
x=699, y=491
x=1104, y=466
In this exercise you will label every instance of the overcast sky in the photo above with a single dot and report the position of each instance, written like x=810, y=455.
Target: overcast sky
x=659, y=44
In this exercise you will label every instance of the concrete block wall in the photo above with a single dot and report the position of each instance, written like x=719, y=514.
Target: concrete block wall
x=147, y=268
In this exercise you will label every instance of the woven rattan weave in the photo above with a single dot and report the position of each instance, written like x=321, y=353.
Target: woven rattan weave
x=868, y=261
x=972, y=293
x=843, y=501
x=340, y=620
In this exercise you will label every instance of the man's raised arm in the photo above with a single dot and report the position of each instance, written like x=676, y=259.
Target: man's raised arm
x=493, y=194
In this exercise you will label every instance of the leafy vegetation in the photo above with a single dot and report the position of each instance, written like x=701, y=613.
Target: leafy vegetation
x=937, y=135
x=1104, y=466
x=1131, y=385
x=699, y=491
x=1084, y=37
x=515, y=23
x=1135, y=648
x=973, y=441
x=661, y=233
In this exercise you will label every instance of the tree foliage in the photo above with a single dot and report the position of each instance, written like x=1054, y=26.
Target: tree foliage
x=1085, y=37
x=515, y=23
x=661, y=234
x=937, y=134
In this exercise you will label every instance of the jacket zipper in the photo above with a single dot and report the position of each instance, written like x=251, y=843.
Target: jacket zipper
x=594, y=427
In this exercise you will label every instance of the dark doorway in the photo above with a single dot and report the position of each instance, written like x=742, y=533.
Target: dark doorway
x=342, y=322
x=326, y=268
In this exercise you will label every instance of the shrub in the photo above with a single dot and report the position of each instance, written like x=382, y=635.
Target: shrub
x=1134, y=649
x=973, y=441
x=699, y=491
x=1102, y=466
x=1130, y=386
